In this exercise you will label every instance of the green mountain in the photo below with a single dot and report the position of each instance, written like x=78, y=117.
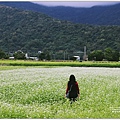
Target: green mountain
x=96, y=15
x=32, y=32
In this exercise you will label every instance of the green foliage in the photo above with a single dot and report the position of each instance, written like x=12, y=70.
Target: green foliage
x=52, y=64
x=3, y=55
x=32, y=32
x=108, y=54
x=35, y=92
x=44, y=56
x=19, y=55
x=111, y=55
x=41, y=56
x=96, y=55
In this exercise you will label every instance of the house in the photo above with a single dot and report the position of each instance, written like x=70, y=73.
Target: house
x=31, y=58
x=11, y=58
x=77, y=58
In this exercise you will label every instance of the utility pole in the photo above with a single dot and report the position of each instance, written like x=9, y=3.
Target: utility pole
x=64, y=55
x=54, y=56
x=84, y=56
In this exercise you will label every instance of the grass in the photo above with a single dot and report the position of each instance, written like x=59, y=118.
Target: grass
x=67, y=63
x=37, y=92
x=10, y=67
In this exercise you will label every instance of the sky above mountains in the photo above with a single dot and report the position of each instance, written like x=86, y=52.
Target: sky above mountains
x=77, y=3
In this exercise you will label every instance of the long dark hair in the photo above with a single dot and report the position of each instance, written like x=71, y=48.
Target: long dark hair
x=72, y=80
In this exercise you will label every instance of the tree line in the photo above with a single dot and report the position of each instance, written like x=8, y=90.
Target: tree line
x=97, y=55
x=108, y=54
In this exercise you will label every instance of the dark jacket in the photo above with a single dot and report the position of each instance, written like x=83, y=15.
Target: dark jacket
x=74, y=89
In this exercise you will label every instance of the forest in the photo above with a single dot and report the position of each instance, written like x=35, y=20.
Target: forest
x=96, y=15
x=31, y=32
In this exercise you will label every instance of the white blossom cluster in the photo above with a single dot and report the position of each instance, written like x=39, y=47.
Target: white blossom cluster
x=38, y=92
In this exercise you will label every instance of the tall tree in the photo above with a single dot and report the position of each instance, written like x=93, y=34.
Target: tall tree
x=2, y=54
x=19, y=55
x=111, y=55
x=97, y=55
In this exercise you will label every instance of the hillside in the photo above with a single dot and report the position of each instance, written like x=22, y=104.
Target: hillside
x=97, y=15
x=32, y=32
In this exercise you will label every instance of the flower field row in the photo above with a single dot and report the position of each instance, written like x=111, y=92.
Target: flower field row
x=36, y=92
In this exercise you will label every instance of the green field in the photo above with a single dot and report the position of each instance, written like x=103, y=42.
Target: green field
x=60, y=63
x=38, y=92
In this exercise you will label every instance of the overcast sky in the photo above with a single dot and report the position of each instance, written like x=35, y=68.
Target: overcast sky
x=76, y=3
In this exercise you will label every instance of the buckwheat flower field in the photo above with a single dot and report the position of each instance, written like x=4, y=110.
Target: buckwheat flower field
x=38, y=92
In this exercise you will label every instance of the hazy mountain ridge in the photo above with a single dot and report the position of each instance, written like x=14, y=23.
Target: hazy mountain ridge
x=97, y=15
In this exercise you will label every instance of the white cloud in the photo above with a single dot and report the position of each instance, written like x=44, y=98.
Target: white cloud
x=76, y=3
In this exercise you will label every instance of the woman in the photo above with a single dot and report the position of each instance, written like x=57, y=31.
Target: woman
x=72, y=88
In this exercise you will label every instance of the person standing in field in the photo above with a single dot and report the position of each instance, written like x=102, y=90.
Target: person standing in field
x=72, y=90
